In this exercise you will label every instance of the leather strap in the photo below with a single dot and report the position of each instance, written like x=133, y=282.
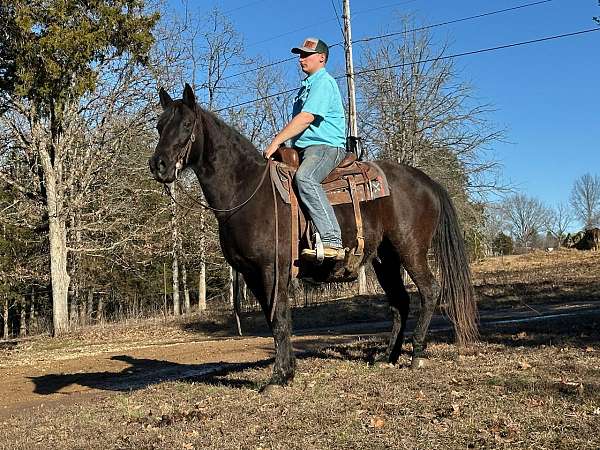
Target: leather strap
x=357, y=217
x=294, y=235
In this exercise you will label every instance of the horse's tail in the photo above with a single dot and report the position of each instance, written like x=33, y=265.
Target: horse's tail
x=457, y=294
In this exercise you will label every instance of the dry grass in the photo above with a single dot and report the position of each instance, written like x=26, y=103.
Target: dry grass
x=565, y=275
x=525, y=386
x=508, y=392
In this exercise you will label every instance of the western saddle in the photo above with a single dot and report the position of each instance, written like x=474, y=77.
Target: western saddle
x=352, y=182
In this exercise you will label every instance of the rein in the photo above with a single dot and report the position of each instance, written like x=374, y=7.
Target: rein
x=204, y=205
x=181, y=162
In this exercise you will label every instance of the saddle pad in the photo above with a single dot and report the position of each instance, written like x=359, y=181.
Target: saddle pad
x=367, y=177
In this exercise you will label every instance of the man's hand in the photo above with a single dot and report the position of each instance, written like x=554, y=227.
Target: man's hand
x=272, y=148
x=297, y=125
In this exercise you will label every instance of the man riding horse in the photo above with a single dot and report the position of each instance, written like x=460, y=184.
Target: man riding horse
x=318, y=131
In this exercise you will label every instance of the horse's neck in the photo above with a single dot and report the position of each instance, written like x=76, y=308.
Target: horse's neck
x=228, y=172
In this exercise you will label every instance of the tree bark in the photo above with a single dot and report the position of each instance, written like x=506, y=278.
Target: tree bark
x=5, y=317
x=202, y=275
x=89, y=308
x=176, y=300
x=100, y=313
x=33, y=318
x=202, y=288
x=73, y=316
x=362, y=281
x=58, y=241
x=23, y=317
x=186, y=291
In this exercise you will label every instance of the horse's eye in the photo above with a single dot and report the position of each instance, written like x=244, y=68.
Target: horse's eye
x=187, y=124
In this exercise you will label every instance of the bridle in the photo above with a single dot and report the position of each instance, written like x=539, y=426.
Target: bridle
x=182, y=160
x=184, y=154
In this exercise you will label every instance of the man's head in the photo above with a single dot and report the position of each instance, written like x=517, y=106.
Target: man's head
x=313, y=54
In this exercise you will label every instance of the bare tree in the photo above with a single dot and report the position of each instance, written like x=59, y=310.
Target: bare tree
x=526, y=217
x=415, y=111
x=585, y=200
x=558, y=221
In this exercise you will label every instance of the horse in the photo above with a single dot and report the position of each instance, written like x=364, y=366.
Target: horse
x=399, y=230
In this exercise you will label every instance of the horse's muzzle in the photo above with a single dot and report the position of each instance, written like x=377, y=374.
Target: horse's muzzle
x=160, y=169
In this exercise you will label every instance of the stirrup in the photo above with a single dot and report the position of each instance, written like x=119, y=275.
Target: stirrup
x=319, y=248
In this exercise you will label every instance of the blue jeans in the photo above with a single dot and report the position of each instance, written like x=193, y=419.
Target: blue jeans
x=317, y=161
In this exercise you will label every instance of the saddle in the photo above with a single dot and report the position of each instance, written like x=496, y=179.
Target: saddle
x=351, y=182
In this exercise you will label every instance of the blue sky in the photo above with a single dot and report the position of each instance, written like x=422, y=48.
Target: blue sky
x=546, y=95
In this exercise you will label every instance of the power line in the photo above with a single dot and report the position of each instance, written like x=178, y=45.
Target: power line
x=449, y=22
x=439, y=58
x=337, y=16
x=243, y=6
x=372, y=38
x=272, y=38
x=257, y=99
x=484, y=50
x=364, y=11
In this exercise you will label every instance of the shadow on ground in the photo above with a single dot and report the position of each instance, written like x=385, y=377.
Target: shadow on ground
x=579, y=330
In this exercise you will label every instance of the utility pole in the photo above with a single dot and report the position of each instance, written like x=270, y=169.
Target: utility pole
x=353, y=137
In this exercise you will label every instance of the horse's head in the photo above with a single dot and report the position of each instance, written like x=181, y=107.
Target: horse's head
x=178, y=128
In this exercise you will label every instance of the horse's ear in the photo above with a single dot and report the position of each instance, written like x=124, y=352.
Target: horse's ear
x=165, y=98
x=189, y=98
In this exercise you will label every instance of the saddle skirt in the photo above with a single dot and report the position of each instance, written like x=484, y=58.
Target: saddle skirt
x=367, y=178
x=351, y=182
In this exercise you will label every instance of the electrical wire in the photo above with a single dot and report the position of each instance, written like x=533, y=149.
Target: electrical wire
x=372, y=38
x=439, y=58
x=483, y=50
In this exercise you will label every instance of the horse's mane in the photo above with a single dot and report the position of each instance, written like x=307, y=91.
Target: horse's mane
x=231, y=134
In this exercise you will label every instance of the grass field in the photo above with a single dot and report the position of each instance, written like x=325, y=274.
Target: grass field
x=531, y=385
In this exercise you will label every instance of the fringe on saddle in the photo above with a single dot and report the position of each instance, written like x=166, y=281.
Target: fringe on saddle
x=351, y=182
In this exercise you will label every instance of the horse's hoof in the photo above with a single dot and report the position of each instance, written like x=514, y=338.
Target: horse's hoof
x=417, y=363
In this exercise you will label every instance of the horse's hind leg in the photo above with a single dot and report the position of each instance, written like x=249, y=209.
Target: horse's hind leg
x=389, y=273
x=419, y=271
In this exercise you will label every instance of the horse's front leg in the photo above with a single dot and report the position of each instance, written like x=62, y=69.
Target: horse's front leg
x=285, y=361
x=261, y=286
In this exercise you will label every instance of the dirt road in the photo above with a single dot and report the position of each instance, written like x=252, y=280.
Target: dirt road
x=47, y=381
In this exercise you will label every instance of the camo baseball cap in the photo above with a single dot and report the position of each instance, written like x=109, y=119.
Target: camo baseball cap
x=312, y=45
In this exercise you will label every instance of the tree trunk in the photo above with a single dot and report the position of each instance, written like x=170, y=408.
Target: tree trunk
x=362, y=281
x=58, y=245
x=23, y=317
x=73, y=316
x=176, y=301
x=82, y=314
x=89, y=308
x=5, y=317
x=202, y=288
x=33, y=318
x=186, y=291
x=100, y=312
x=202, y=275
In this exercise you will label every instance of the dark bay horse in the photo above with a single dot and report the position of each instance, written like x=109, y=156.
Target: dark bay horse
x=399, y=229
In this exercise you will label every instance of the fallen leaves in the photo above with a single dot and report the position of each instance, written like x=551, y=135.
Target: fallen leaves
x=376, y=422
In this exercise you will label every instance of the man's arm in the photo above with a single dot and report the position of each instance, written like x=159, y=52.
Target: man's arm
x=297, y=125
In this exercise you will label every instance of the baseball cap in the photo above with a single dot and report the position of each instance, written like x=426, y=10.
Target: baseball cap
x=312, y=45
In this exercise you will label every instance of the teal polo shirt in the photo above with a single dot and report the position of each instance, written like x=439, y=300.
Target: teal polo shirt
x=320, y=96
